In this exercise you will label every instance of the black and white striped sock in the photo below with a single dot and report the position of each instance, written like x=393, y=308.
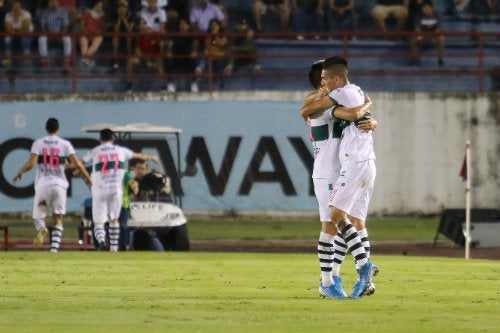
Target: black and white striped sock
x=340, y=250
x=100, y=233
x=114, y=236
x=325, y=255
x=354, y=244
x=363, y=234
x=56, y=238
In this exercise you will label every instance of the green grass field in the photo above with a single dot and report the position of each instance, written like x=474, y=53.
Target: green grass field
x=75, y=291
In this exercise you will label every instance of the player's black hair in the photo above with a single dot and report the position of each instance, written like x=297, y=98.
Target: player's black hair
x=106, y=135
x=52, y=125
x=335, y=60
x=315, y=73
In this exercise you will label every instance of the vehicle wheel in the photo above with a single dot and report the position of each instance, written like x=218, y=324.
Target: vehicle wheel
x=180, y=239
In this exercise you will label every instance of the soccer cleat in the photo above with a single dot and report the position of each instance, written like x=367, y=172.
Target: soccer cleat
x=102, y=246
x=337, y=280
x=331, y=292
x=40, y=236
x=364, y=280
x=370, y=290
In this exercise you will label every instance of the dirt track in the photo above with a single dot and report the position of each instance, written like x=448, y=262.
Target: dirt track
x=442, y=248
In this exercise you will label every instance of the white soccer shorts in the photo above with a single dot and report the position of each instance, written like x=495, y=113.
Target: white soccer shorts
x=106, y=207
x=354, y=187
x=49, y=198
x=323, y=189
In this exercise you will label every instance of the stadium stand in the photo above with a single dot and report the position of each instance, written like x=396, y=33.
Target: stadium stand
x=471, y=56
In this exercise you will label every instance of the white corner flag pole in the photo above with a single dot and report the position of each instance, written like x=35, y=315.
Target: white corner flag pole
x=467, y=199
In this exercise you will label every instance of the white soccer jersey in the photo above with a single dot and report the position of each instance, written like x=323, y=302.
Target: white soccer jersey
x=154, y=19
x=109, y=163
x=52, y=151
x=356, y=144
x=325, y=139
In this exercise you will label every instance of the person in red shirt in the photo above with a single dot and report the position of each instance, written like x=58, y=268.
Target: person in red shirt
x=93, y=24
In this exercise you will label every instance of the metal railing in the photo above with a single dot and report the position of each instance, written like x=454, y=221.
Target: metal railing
x=473, y=55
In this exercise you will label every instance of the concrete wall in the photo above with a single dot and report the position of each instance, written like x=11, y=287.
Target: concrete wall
x=419, y=145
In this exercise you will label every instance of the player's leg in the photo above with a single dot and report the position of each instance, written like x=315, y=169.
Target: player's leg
x=58, y=206
x=100, y=216
x=345, y=193
x=114, y=206
x=39, y=215
x=57, y=232
x=341, y=201
x=326, y=247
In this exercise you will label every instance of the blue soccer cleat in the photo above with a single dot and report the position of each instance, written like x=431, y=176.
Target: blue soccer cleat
x=364, y=280
x=337, y=280
x=331, y=292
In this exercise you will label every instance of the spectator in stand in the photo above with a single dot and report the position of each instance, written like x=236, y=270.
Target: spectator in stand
x=124, y=23
x=175, y=10
x=308, y=16
x=182, y=53
x=18, y=22
x=215, y=49
x=242, y=49
x=93, y=24
x=458, y=7
x=280, y=7
x=414, y=8
x=74, y=13
x=396, y=9
x=426, y=22
x=54, y=19
x=202, y=13
x=341, y=15
x=149, y=45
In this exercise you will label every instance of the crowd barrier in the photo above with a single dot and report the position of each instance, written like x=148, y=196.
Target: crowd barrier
x=471, y=61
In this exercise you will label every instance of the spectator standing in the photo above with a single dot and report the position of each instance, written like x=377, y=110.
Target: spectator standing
x=280, y=7
x=242, y=49
x=108, y=170
x=341, y=15
x=49, y=155
x=396, y=9
x=149, y=44
x=428, y=29
x=53, y=20
x=182, y=54
x=308, y=16
x=130, y=187
x=202, y=13
x=175, y=10
x=123, y=24
x=18, y=23
x=93, y=24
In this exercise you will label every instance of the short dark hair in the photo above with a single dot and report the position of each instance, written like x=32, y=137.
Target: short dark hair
x=106, y=135
x=315, y=73
x=52, y=125
x=335, y=60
